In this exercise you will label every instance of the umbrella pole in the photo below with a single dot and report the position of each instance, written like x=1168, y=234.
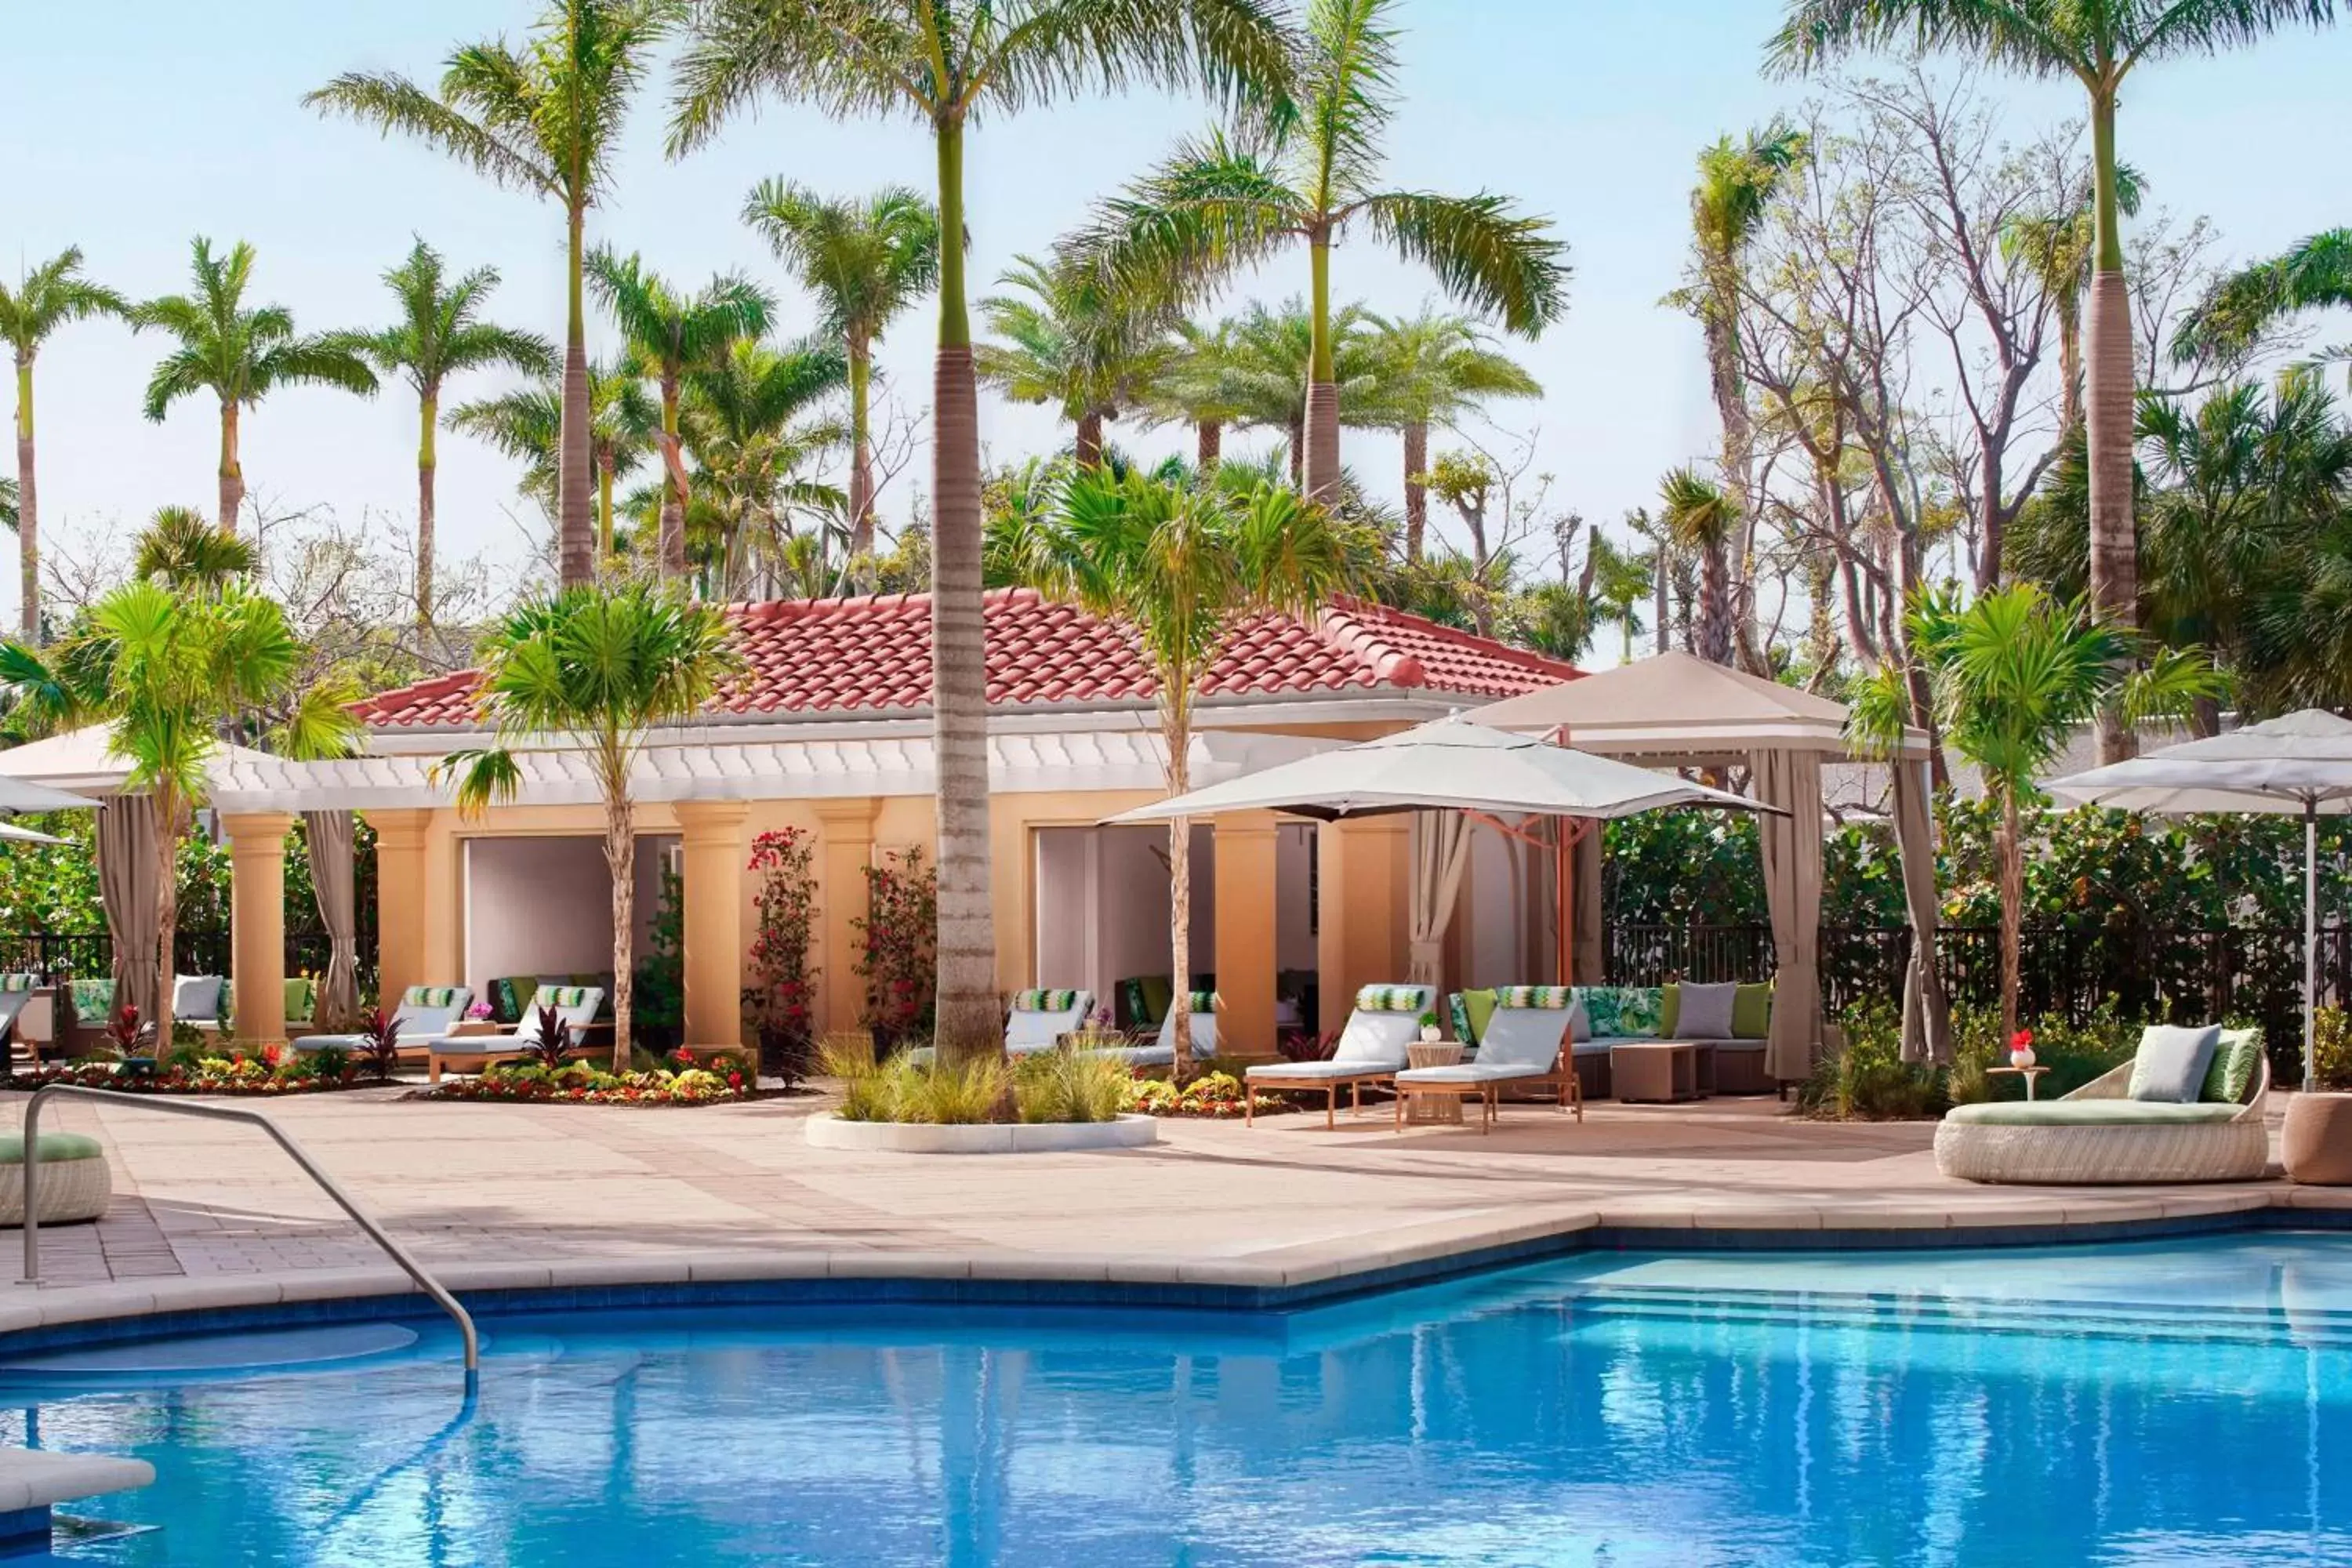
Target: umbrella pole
x=2310, y=934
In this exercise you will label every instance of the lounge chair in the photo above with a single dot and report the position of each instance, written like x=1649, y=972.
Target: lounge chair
x=1038, y=1019
x=1523, y=1046
x=2099, y=1134
x=576, y=1005
x=16, y=992
x=425, y=1012
x=1161, y=1052
x=1371, y=1051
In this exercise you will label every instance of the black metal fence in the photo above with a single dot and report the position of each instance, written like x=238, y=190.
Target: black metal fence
x=90, y=954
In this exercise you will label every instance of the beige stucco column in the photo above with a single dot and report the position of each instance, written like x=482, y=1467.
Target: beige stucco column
x=1246, y=932
x=845, y=849
x=402, y=902
x=257, y=913
x=715, y=849
x=1360, y=873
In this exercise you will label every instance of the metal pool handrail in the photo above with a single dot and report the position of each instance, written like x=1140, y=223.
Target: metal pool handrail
x=399, y=1254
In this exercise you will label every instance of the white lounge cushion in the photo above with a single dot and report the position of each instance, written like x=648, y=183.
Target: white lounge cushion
x=1379, y=1038
x=1204, y=1031
x=1476, y=1072
x=1523, y=1037
x=576, y=1014
x=1332, y=1069
x=1036, y=1029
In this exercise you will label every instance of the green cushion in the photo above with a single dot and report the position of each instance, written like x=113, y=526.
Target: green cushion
x=54, y=1146
x=301, y=996
x=2234, y=1060
x=2088, y=1113
x=1478, y=1007
x=1670, y=1009
x=1751, y=1013
x=1158, y=995
x=94, y=1001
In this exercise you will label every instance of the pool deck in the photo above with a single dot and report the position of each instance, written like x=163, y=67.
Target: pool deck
x=210, y=1215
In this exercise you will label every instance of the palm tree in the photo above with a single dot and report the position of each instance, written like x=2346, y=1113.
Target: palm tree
x=2312, y=276
x=1225, y=203
x=2011, y=677
x=9, y=516
x=1429, y=370
x=1701, y=518
x=182, y=548
x=2098, y=43
x=597, y=667
x=239, y=355
x=1623, y=581
x=46, y=298
x=1269, y=363
x=440, y=334
x=948, y=67
x=545, y=119
x=624, y=430
x=670, y=333
x=1075, y=343
x=1180, y=566
x=751, y=428
x=2056, y=247
x=1196, y=387
x=866, y=262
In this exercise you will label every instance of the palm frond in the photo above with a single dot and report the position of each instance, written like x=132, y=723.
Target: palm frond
x=1482, y=254
x=393, y=104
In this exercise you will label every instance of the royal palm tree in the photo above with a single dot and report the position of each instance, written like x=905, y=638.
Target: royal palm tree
x=545, y=117
x=1430, y=369
x=2057, y=248
x=2312, y=276
x=1700, y=517
x=1196, y=387
x=441, y=334
x=752, y=428
x=596, y=666
x=945, y=66
x=239, y=355
x=624, y=431
x=46, y=298
x=1073, y=342
x=1180, y=565
x=1623, y=581
x=1305, y=173
x=867, y=262
x=2098, y=43
x=670, y=333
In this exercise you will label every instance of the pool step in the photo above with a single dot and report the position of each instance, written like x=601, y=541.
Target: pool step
x=32, y=1479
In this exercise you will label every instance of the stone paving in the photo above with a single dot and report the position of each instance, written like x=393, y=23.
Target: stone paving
x=211, y=1213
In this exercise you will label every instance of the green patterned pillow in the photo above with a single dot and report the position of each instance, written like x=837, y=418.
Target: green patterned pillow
x=1621, y=1012
x=1202, y=1002
x=2234, y=1060
x=1389, y=999
x=431, y=995
x=1554, y=997
x=93, y=1000
x=560, y=997
x=1640, y=1008
x=1462, y=1030
x=18, y=982
x=1043, y=1001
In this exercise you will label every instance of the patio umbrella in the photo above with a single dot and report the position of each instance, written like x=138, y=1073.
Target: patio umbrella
x=18, y=795
x=13, y=834
x=2299, y=764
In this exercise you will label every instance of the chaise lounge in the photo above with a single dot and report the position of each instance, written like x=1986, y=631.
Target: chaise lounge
x=1161, y=1051
x=1372, y=1050
x=425, y=1014
x=575, y=1007
x=1524, y=1045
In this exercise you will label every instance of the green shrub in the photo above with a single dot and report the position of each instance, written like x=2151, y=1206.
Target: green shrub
x=946, y=1095
x=1868, y=1080
x=2331, y=1048
x=1070, y=1086
x=327, y=1064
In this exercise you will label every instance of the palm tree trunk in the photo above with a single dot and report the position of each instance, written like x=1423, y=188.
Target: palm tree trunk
x=1322, y=478
x=232, y=472
x=968, y=1027
x=1175, y=731
x=1714, y=625
x=1662, y=588
x=1209, y=446
x=670, y=545
x=426, y=465
x=2013, y=903
x=621, y=860
x=574, y=541
x=861, y=459
x=1299, y=454
x=1090, y=440
x=604, y=505
x=2115, y=552
x=1416, y=494
x=28, y=511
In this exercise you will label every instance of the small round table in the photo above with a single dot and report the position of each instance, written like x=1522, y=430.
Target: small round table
x=2032, y=1076
x=1434, y=1108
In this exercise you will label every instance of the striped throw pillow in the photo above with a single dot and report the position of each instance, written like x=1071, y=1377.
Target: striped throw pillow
x=1389, y=999
x=431, y=995
x=18, y=982
x=560, y=997
x=1554, y=997
x=1202, y=1002
x=1043, y=1001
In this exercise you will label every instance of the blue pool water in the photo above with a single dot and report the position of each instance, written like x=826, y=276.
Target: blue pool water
x=2185, y=1401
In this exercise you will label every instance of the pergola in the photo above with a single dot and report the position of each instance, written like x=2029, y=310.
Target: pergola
x=1675, y=710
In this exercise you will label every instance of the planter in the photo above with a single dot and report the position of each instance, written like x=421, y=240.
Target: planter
x=829, y=1131
x=2315, y=1145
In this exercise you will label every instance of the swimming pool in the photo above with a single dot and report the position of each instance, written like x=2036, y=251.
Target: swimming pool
x=2181, y=1402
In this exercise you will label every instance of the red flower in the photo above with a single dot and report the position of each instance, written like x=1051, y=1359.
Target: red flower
x=2021, y=1040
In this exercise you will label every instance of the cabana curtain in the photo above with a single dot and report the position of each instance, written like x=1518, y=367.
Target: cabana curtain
x=126, y=890
x=1793, y=889
x=332, y=876
x=1441, y=848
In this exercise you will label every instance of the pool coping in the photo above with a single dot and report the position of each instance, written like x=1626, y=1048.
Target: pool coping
x=1281, y=1280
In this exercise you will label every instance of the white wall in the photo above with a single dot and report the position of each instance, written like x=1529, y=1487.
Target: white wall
x=1102, y=905
x=536, y=906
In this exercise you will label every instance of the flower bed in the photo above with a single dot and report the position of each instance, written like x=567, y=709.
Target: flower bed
x=273, y=1070
x=1215, y=1096
x=675, y=1082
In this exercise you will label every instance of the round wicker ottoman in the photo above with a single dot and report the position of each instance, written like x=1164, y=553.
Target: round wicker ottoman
x=2120, y=1154
x=75, y=1182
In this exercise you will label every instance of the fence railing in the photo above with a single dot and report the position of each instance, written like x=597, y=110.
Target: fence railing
x=90, y=954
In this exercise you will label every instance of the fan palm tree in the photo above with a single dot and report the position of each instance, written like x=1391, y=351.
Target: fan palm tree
x=1073, y=342
x=1428, y=370
x=945, y=66
x=624, y=430
x=2057, y=247
x=2312, y=276
x=866, y=262
x=182, y=548
x=545, y=117
x=440, y=334
x=239, y=355
x=1700, y=517
x=1305, y=173
x=1180, y=565
x=1736, y=183
x=597, y=667
x=2098, y=43
x=46, y=298
x=2012, y=676
x=751, y=428
x=670, y=333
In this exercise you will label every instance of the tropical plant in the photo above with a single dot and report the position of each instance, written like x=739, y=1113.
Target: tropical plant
x=669, y=334
x=240, y=355
x=623, y=428
x=46, y=298
x=1700, y=517
x=441, y=334
x=597, y=667
x=182, y=548
x=546, y=119
x=1431, y=369
x=948, y=67
x=2011, y=677
x=1305, y=170
x=380, y=1043
x=1623, y=581
x=2312, y=275
x=1269, y=362
x=547, y=1043
x=1075, y=343
x=751, y=425
x=1196, y=386
x=866, y=262
x=1180, y=566
x=2098, y=43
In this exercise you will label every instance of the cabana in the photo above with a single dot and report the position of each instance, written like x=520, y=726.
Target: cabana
x=1678, y=711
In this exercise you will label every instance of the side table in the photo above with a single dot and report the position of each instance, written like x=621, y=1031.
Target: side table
x=2032, y=1076
x=1433, y=1109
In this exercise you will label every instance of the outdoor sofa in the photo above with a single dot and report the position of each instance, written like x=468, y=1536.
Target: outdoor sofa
x=1524, y=1045
x=576, y=1008
x=1371, y=1050
x=1602, y=1017
x=426, y=1013
x=2114, y=1131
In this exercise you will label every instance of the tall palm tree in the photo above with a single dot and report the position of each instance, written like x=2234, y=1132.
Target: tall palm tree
x=440, y=334
x=2098, y=43
x=2057, y=248
x=1196, y=387
x=239, y=355
x=624, y=431
x=866, y=262
x=945, y=66
x=1075, y=341
x=601, y=666
x=1269, y=365
x=1180, y=565
x=1622, y=580
x=2311, y=276
x=752, y=427
x=1305, y=173
x=545, y=117
x=1702, y=517
x=1428, y=370
x=46, y=298
x=670, y=333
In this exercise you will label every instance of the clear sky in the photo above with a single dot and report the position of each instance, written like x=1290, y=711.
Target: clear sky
x=129, y=126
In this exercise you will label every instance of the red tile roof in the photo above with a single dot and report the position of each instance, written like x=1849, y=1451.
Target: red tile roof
x=873, y=656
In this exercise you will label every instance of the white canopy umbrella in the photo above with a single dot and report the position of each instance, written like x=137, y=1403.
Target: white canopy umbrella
x=18, y=795
x=2298, y=765
x=13, y=834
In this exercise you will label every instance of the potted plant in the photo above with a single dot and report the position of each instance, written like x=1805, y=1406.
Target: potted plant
x=2315, y=1144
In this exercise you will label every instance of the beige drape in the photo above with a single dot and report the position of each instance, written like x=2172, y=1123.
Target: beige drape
x=1926, y=1012
x=1584, y=877
x=126, y=888
x=1440, y=850
x=1793, y=887
x=332, y=876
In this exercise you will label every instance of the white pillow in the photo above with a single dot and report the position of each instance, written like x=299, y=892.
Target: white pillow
x=1705, y=1012
x=196, y=997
